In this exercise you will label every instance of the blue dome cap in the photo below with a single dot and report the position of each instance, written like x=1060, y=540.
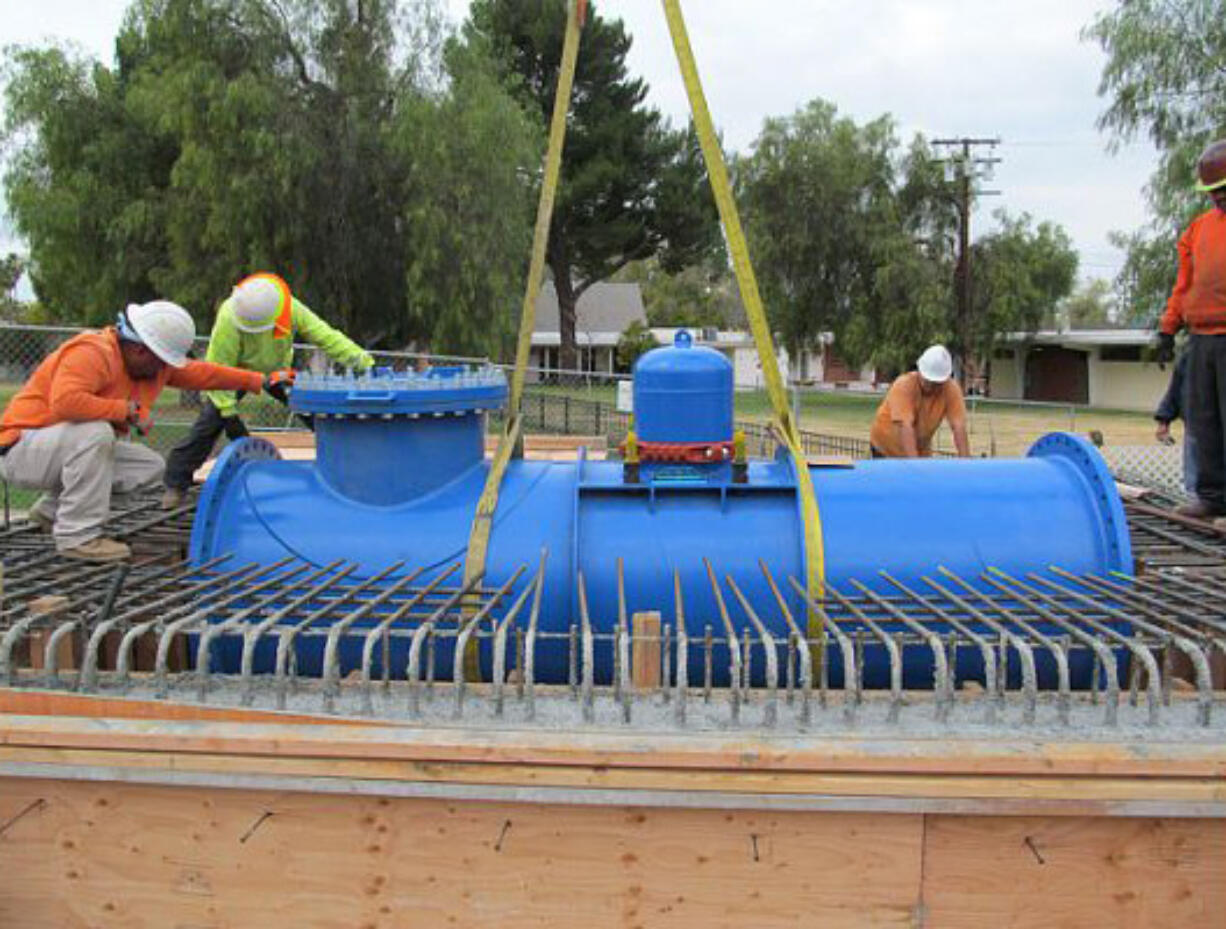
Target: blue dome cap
x=683, y=393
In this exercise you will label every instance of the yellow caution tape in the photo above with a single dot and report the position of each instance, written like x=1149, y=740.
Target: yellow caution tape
x=786, y=427
x=479, y=535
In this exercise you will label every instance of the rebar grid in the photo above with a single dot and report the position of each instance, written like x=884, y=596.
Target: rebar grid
x=996, y=647
x=995, y=650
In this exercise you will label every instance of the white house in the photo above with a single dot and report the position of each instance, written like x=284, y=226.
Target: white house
x=1099, y=367
x=822, y=366
x=603, y=312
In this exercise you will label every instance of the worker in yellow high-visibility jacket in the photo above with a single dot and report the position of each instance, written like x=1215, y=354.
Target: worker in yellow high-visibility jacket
x=256, y=327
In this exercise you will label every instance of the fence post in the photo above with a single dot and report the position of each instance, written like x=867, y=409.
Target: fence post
x=565, y=415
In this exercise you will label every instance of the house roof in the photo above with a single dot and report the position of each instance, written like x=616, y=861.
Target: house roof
x=604, y=311
x=1085, y=338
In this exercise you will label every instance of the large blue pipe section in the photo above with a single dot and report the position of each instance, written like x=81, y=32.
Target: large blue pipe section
x=400, y=466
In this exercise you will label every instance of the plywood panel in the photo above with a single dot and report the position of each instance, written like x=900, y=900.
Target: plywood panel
x=1074, y=873
x=103, y=855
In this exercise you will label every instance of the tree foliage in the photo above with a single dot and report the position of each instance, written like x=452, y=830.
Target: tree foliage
x=848, y=235
x=1090, y=306
x=636, y=340
x=700, y=295
x=1021, y=271
x=631, y=186
x=853, y=234
x=1163, y=80
x=328, y=140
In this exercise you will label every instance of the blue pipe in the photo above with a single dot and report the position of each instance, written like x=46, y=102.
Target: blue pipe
x=401, y=483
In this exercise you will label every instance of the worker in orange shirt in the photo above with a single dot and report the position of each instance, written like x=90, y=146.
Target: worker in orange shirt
x=1198, y=301
x=63, y=432
x=915, y=406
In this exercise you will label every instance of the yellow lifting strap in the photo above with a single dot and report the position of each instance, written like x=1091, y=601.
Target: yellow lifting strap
x=785, y=426
x=479, y=534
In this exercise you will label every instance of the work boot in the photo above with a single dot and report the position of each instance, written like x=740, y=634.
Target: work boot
x=1199, y=509
x=99, y=549
x=41, y=520
x=173, y=498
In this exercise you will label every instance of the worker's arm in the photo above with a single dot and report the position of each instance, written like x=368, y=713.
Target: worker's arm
x=955, y=415
x=82, y=375
x=335, y=343
x=204, y=375
x=1170, y=406
x=1172, y=319
x=907, y=439
x=962, y=441
x=224, y=344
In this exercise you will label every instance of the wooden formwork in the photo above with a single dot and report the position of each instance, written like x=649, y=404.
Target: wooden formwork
x=123, y=813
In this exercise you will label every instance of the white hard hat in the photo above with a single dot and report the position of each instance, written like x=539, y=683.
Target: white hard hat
x=935, y=364
x=258, y=300
x=165, y=328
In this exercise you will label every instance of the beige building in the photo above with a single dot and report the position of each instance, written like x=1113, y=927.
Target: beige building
x=1109, y=368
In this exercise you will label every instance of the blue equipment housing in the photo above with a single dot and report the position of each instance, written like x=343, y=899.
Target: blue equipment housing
x=400, y=466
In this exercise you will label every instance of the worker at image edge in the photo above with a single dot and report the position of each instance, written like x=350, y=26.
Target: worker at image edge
x=915, y=406
x=1198, y=302
x=65, y=431
x=255, y=329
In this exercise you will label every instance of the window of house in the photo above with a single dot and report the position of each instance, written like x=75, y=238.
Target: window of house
x=1120, y=353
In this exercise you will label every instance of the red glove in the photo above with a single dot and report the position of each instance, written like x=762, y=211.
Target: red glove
x=277, y=384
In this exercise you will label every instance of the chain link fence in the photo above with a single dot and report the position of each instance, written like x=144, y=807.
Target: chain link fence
x=584, y=404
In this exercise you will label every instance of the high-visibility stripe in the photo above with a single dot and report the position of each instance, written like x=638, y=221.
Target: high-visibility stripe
x=718, y=173
x=479, y=535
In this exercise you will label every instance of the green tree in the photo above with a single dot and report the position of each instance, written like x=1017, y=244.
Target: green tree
x=849, y=235
x=12, y=266
x=696, y=296
x=1164, y=80
x=1021, y=272
x=85, y=184
x=327, y=140
x=631, y=186
x=633, y=342
x=469, y=209
x=1090, y=306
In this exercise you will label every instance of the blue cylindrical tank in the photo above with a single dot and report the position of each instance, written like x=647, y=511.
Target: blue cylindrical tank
x=683, y=394
x=1058, y=505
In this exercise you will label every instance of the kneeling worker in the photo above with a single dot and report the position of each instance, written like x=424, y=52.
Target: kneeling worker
x=62, y=431
x=914, y=407
x=255, y=329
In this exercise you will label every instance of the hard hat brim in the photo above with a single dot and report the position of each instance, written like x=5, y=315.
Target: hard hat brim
x=253, y=328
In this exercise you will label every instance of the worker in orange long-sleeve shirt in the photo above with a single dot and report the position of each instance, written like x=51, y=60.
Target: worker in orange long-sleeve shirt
x=1198, y=301
x=62, y=432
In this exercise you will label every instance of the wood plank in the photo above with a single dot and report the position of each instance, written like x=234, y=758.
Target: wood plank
x=1014, y=791
x=577, y=747
x=135, y=857
x=1029, y=873
x=54, y=703
x=645, y=671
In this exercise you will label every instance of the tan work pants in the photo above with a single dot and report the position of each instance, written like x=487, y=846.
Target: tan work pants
x=79, y=465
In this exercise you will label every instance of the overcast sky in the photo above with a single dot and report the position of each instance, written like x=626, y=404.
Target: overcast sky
x=992, y=68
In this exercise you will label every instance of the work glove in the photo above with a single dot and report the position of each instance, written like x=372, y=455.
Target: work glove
x=1166, y=348
x=139, y=418
x=235, y=427
x=277, y=384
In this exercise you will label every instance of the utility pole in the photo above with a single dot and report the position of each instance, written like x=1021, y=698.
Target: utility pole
x=967, y=168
